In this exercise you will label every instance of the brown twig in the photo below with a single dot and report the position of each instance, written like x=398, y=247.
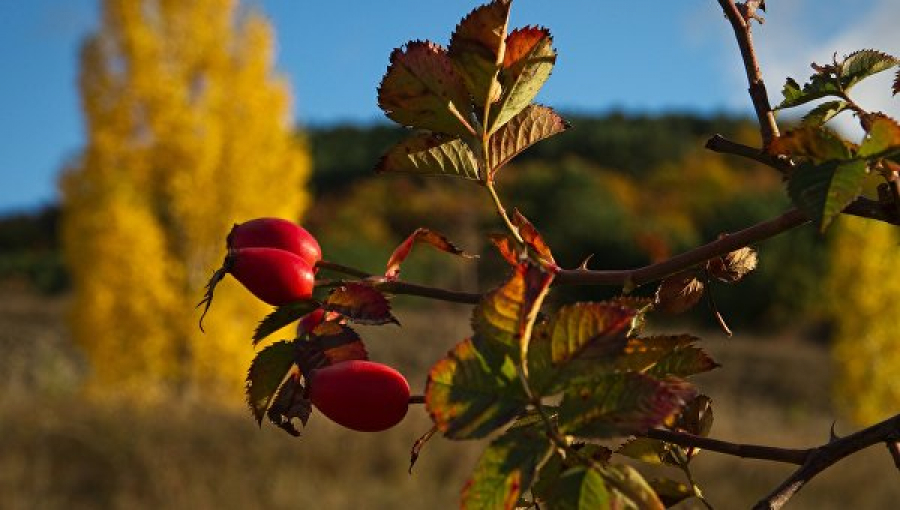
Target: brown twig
x=740, y=17
x=820, y=458
x=747, y=451
x=720, y=144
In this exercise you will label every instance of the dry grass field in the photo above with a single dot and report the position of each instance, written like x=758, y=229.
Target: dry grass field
x=59, y=451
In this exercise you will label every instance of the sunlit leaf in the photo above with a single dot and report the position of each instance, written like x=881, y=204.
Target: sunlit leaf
x=432, y=154
x=422, y=89
x=604, y=487
x=534, y=240
x=281, y=317
x=662, y=356
x=290, y=404
x=679, y=292
x=526, y=66
x=734, y=265
x=620, y=404
x=267, y=371
x=501, y=314
x=824, y=112
x=627, y=481
x=823, y=191
x=589, y=330
x=644, y=449
x=477, y=47
x=338, y=342
x=506, y=469
x=531, y=125
x=864, y=63
x=421, y=235
x=883, y=137
x=473, y=391
x=361, y=303
x=815, y=143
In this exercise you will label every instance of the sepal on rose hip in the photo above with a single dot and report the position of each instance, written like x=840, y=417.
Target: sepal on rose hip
x=275, y=276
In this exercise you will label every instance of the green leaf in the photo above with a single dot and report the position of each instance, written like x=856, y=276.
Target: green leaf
x=431, y=154
x=662, y=356
x=506, y=469
x=473, y=391
x=606, y=487
x=580, y=488
x=281, y=317
x=531, y=125
x=824, y=112
x=527, y=64
x=421, y=235
x=267, y=372
x=620, y=404
x=818, y=87
x=864, y=63
x=822, y=191
x=589, y=331
x=502, y=314
x=422, y=89
x=669, y=491
x=883, y=137
x=814, y=143
x=361, y=303
x=477, y=47
x=644, y=449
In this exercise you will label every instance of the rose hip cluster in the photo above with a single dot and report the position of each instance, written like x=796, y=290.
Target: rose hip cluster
x=275, y=259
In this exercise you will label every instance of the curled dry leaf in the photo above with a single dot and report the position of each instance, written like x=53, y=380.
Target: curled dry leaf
x=679, y=292
x=734, y=265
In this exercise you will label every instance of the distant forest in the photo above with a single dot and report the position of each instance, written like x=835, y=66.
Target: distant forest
x=623, y=189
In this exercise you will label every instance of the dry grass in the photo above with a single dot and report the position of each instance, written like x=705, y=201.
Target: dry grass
x=60, y=451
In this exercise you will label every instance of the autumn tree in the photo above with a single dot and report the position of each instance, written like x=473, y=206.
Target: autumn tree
x=188, y=131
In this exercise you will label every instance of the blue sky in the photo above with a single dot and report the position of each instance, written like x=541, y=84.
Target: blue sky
x=613, y=54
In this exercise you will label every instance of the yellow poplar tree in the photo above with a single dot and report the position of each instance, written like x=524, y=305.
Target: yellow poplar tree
x=188, y=131
x=863, y=294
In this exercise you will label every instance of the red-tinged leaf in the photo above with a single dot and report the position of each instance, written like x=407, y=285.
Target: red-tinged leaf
x=422, y=89
x=290, y=404
x=814, y=143
x=431, y=154
x=502, y=314
x=507, y=248
x=267, y=372
x=620, y=404
x=823, y=191
x=477, y=48
x=506, y=469
x=534, y=241
x=733, y=266
x=662, y=356
x=421, y=235
x=530, y=62
x=361, y=303
x=589, y=331
x=679, y=292
x=883, y=137
x=338, y=342
x=531, y=125
x=417, y=447
x=474, y=391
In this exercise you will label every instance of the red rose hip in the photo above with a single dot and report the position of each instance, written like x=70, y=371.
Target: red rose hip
x=360, y=395
x=275, y=276
x=275, y=233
